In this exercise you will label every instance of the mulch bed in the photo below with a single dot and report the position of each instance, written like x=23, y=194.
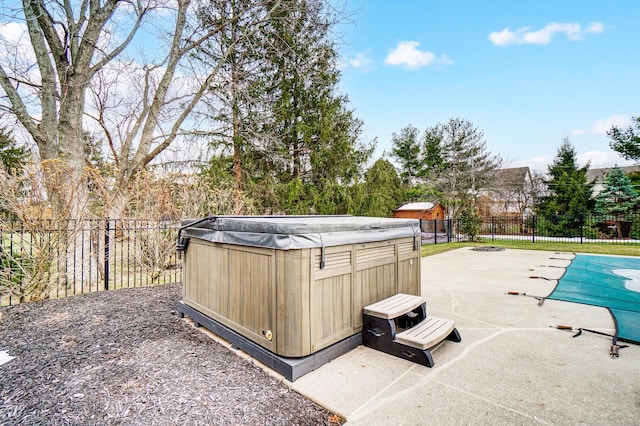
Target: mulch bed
x=124, y=357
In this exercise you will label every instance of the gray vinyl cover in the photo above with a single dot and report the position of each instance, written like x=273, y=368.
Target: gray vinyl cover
x=298, y=232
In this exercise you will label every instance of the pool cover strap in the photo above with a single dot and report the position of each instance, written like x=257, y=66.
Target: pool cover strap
x=615, y=347
x=606, y=281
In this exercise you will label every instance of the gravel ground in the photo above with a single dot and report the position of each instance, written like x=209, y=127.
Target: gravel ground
x=124, y=357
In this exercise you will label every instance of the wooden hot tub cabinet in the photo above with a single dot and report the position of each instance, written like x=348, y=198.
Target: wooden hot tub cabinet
x=303, y=283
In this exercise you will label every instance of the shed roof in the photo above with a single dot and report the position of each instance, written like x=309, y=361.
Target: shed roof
x=421, y=206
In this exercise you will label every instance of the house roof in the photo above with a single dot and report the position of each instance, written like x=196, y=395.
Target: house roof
x=514, y=176
x=421, y=206
x=599, y=175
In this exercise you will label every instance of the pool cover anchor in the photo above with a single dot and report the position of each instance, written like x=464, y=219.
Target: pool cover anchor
x=540, y=299
x=615, y=347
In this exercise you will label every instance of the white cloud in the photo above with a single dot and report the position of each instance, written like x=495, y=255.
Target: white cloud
x=601, y=127
x=539, y=163
x=525, y=35
x=601, y=159
x=596, y=160
x=360, y=61
x=408, y=55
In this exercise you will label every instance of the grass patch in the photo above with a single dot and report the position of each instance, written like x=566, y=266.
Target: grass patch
x=613, y=249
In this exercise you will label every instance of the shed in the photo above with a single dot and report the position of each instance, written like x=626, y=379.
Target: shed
x=421, y=210
x=296, y=285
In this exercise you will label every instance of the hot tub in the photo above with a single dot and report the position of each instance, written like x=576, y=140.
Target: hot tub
x=295, y=285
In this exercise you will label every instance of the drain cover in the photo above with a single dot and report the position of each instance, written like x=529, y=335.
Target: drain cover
x=488, y=248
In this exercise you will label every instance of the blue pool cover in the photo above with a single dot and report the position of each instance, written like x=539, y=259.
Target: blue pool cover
x=612, y=282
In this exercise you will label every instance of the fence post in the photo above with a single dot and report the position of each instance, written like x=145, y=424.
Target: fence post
x=435, y=231
x=107, y=247
x=533, y=231
x=493, y=228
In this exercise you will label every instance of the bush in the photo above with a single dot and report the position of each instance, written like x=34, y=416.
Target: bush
x=11, y=274
x=470, y=222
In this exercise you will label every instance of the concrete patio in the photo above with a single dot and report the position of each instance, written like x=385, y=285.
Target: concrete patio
x=511, y=367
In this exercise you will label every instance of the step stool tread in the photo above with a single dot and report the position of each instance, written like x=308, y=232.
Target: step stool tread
x=428, y=333
x=394, y=306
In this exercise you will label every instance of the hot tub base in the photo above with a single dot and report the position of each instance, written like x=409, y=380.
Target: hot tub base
x=290, y=368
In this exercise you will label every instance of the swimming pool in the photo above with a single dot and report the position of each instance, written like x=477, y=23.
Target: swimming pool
x=612, y=282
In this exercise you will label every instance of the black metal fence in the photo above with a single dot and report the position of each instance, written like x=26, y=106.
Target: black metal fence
x=42, y=259
x=581, y=229
x=575, y=229
x=438, y=231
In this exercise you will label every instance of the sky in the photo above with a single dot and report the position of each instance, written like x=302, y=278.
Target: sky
x=526, y=73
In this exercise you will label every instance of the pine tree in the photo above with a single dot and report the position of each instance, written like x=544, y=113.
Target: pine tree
x=12, y=156
x=406, y=150
x=569, y=194
x=312, y=135
x=618, y=196
x=382, y=190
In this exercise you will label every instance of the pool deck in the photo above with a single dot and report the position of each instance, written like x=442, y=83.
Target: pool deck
x=511, y=366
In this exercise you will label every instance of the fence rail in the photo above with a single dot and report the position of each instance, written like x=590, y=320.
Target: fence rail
x=581, y=230
x=43, y=259
x=591, y=229
x=50, y=259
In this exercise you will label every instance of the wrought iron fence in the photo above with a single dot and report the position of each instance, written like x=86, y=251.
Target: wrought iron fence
x=43, y=259
x=563, y=228
x=436, y=231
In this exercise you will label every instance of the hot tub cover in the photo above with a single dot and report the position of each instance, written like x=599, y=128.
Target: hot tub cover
x=298, y=232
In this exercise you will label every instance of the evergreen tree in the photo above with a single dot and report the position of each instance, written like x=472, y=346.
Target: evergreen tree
x=286, y=136
x=13, y=157
x=618, y=196
x=568, y=198
x=433, y=153
x=237, y=97
x=382, y=190
x=406, y=150
x=312, y=137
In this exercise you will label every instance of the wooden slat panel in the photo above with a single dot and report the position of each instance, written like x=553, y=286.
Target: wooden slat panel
x=373, y=285
x=333, y=259
x=331, y=311
x=409, y=276
x=234, y=285
x=378, y=252
x=394, y=306
x=406, y=249
x=428, y=333
x=293, y=316
x=338, y=261
x=251, y=290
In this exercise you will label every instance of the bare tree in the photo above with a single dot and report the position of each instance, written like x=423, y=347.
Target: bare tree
x=121, y=70
x=466, y=167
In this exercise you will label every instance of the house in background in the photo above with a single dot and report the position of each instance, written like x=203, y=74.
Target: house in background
x=422, y=210
x=598, y=176
x=510, y=195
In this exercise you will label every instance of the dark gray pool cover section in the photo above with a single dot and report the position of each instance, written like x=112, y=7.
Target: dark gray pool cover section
x=612, y=282
x=299, y=232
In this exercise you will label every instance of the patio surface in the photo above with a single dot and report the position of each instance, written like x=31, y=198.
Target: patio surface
x=511, y=366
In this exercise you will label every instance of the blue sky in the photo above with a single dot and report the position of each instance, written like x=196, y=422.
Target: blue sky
x=527, y=74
